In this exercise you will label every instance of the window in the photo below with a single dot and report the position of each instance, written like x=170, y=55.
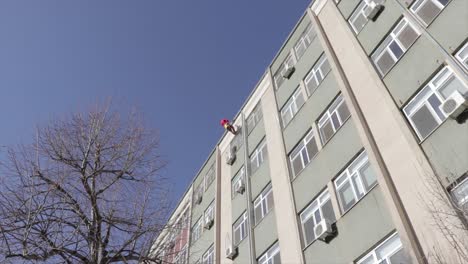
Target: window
x=237, y=142
x=460, y=193
x=259, y=155
x=333, y=119
x=209, y=212
x=462, y=55
x=263, y=204
x=197, y=230
x=388, y=252
x=254, y=118
x=358, y=18
x=198, y=191
x=304, y=41
x=208, y=256
x=239, y=176
x=423, y=110
x=291, y=107
x=354, y=182
x=427, y=10
x=303, y=153
x=271, y=256
x=210, y=176
x=278, y=76
x=239, y=229
x=394, y=46
x=181, y=257
x=320, y=208
x=317, y=74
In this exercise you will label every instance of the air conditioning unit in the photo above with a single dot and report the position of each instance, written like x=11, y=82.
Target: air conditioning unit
x=373, y=10
x=209, y=222
x=454, y=105
x=240, y=186
x=198, y=198
x=231, y=157
x=231, y=252
x=289, y=72
x=324, y=231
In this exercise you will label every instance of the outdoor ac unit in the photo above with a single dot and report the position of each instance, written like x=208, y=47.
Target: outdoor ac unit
x=454, y=105
x=231, y=157
x=240, y=186
x=231, y=252
x=373, y=10
x=289, y=71
x=323, y=230
x=209, y=222
x=198, y=198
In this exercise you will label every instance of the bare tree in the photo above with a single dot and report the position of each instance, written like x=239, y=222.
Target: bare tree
x=88, y=190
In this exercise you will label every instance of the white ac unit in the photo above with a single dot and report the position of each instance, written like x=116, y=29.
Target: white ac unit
x=231, y=156
x=373, y=10
x=323, y=230
x=240, y=186
x=208, y=222
x=454, y=105
x=198, y=198
x=289, y=71
x=231, y=252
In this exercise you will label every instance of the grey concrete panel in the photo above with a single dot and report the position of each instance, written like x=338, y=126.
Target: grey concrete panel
x=328, y=162
x=201, y=245
x=239, y=205
x=347, y=7
x=239, y=161
x=267, y=234
x=204, y=170
x=413, y=70
x=257, y=134
x=310, y=111
x=374, y=32
x=302, y=67
x=289, y=44
x=260, y=179
x=450, y=28
x=243, y=257
x=208, y=198
x=447, y=150
x=362, y=227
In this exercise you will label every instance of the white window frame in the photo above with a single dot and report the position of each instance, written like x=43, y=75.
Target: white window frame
x=300, y=151
x=464, y=202
x=200, y=189
x=210, y=176
x=389, y=39
x=373, y=253
x=348, y=175
x=327, y=117
x=309, y=212
x=239, y=175
x=304, y=41
x=419, y=3
x=258, y=156
x=360, y=10
x=241, y=225
x=292, y=106
x=463, y=58
x=209, y=256
x=254, y=118
x=288, y=62
x=317, y=74
x=268, y=256
x=197, y=230
x=210, y=210
x=421, y=99
x=261, y=203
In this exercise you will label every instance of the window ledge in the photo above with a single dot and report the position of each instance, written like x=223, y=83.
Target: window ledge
x=362, y=198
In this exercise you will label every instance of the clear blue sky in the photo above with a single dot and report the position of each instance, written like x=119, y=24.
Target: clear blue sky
x=184, y=64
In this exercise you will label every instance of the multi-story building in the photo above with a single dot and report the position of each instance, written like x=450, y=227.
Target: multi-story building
x=352, y=148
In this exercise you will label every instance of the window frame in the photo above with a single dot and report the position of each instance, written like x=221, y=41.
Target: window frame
x=463, y=60
x=305, y=40
x=348, y=175
x=360, y=9
x=299, y=150
x=210, y=209
x=417, y=4
x=262, y=202
x=278, y=78
x=442, y=76
x=197, y=230
x=327, y=116
x=209, y=256
x=256, y=116
x=372, y=252
x=240, y=174
x=240, y=224
x=316, y=71
x=270, y=254
x=260, y=155
x=392, y=36
x=291, y=106
x=210, y=177
x=460, y=184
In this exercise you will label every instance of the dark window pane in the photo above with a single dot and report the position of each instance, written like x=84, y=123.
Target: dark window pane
x=312, y=148
x=326, y=131
x=407, y=36
x=336, y=121
x=327, y=210
x=399, y=258
x=428, y=11
x=297, y=165
x=309, y=231
x=424, y=121
x=397, y=51
x=346, y=196
x=385, y=62
x=435, y=103
x=368, y=176
x=343, y=111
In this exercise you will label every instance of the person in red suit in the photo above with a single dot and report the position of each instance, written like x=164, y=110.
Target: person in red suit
x=227, y=125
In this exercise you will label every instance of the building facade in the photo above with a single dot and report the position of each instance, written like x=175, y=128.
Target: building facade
x=352, y=147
